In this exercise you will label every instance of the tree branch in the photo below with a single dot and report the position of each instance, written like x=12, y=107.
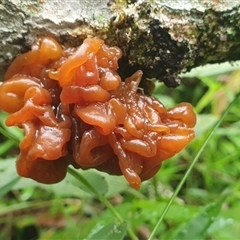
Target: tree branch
x=161, y=37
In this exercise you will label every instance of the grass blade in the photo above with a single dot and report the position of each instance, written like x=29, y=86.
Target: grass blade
x=191, y=167
x=7, y=187
x=194, y=230
x=101, y=198
x=111, y=231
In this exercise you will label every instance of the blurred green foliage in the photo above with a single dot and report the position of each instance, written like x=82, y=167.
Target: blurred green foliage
x=104, y=207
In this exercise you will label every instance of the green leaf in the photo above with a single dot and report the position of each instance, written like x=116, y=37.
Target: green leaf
x=205, y=122
x=92, y=188
x=7, y=187
x=95, y=179
x=13, y=133
x=198, y=226
x=166, y=100
x=212, y=69
x=220, y=224
x=116, y=184
x=112, y=231
x=5, y=146
x=149, y=211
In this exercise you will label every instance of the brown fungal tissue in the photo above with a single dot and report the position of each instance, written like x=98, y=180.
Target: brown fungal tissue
x=75, y=109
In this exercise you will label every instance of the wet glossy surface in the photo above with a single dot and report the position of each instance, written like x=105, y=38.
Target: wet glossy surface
x=75, y=109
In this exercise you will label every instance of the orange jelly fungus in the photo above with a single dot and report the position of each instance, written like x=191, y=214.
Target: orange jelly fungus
x=75, y=109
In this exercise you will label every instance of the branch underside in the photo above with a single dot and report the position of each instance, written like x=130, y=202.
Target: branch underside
x=161, y=37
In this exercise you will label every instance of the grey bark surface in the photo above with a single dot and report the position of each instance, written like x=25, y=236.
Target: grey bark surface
x=161, y=37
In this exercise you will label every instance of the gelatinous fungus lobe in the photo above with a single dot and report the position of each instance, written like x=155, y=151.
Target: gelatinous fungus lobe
x=75, y=109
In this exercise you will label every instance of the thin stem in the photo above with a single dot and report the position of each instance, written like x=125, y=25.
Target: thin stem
x=190, y=168
x=5, y=146
x=7, y=187
x=8, y=135
x=33, y=205
x=103, y=199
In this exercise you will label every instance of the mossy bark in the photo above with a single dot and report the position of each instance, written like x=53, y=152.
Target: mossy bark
x=161, y=37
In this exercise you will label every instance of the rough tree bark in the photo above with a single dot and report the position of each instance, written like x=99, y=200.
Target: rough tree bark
x=161, y=37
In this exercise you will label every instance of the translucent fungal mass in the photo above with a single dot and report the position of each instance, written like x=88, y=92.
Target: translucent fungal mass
x=75, y=109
